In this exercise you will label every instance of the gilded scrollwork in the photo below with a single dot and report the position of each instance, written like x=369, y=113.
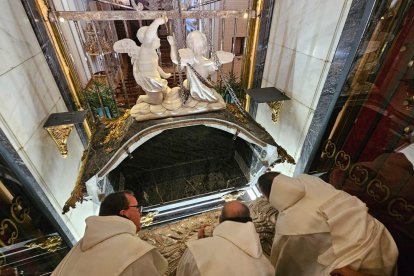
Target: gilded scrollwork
x=8, y=232
x=342, y=160
x=236, y=112
x=284, y=156
x=60, y=136
x=19, y=211
x=401, y=210
x=377, y=190
x=148, y=219
x=358, y=174
x=275, y=106
x=329, y=150
x=233, y=196
x=116, y=128
x=51, y=244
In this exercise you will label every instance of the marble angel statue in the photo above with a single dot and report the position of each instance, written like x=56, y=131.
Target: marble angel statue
x=147, y=73
x=193, y=57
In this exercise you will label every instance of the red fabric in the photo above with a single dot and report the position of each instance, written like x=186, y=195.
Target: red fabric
x=388, y=190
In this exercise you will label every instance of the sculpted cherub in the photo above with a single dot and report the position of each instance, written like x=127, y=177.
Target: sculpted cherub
x=147, y=73
x=194, y=56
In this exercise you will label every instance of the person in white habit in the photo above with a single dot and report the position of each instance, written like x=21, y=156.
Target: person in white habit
x=234, y=248
x=110, y=246
x=324, y=231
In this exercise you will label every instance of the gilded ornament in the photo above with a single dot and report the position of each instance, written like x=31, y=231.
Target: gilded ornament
x=18, y=210
x=401, y=210
x=116, y=128
x=358, y=174
x=377, y=190
x=51, y=244
x=329, y=150
x=284, y=156
x=60, y=135
x=148, y=219
x=236, y=112
x=275, y=107
x=8, y=232
x=233, y=196
x=342, y=160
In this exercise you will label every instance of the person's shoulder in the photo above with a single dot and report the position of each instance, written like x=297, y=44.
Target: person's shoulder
x=135, y=241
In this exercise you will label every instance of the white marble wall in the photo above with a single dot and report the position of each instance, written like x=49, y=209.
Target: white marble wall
x=72, y=39
x=29, y=95
x=303, y=39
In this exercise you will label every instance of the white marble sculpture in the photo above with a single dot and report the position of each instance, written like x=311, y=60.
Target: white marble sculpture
x=147, y=73
x=194, y=56
x=160, y=100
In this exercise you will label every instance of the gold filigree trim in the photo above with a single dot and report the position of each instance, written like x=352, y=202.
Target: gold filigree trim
x=51, y=244
x=236, y=112
x=60, y=136
x=275, y=107
x=401, y=210
x=377, y=190
x=329, y=150
x=8, y=232
x=233, y=196
x=284, y=156
x=18, y=210
x=148, y=219
x=358, y=174
x=342, y=160
x=116, y=128
x=78, y=191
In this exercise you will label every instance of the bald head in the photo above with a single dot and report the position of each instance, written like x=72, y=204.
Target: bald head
x=235, y=210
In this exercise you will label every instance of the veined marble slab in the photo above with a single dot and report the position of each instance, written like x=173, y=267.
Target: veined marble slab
x=31, y=94
x=307, y=26
x=18, y=42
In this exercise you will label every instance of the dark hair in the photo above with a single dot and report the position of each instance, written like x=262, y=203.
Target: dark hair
x=114, y=203
x=241, y=214
x=265, y=182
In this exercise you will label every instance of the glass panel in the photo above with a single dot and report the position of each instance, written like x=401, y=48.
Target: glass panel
x=374, y=113
x=368, y=149
x=29, y=244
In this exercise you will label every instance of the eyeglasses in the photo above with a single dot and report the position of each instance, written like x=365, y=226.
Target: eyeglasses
x=139, y=207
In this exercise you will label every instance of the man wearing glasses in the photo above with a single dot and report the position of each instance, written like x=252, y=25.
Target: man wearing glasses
x=110, y=245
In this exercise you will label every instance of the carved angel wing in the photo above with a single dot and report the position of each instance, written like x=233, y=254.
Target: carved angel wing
x=128, y=46
x=225, y=57
x=186, y=56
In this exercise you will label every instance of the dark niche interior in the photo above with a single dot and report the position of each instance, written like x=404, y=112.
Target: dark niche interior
x=185, y=162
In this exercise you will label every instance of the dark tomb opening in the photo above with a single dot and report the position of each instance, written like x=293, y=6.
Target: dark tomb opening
x=186, y=162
